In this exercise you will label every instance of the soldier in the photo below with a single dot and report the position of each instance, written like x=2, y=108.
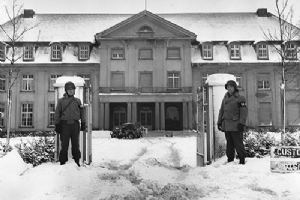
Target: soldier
x=67, y=115
x=232, y=120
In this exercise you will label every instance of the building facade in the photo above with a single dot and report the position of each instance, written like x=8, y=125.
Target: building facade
x=146, y=68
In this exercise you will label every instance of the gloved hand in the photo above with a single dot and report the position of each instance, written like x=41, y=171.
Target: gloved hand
x=220, y=127
x=241, y=127
x=82, y=127
x=57, y=128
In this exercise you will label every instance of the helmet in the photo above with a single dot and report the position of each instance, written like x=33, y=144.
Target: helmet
x=232, y=83
x=69, y=86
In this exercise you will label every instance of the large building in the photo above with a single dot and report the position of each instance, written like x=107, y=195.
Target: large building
x=146, y=68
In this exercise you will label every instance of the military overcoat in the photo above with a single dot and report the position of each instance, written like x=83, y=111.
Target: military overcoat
x=232, y=112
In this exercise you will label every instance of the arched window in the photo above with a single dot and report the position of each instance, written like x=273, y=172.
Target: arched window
x=145, y=31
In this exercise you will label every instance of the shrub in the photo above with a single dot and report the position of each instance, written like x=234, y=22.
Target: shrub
x=27, y=134
x=37, y=151
x=259, y=143
x=3, y=148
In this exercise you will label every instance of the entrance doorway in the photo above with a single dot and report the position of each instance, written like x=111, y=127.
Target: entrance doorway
x=145, y=113
x=173, y=114
x=118, y=114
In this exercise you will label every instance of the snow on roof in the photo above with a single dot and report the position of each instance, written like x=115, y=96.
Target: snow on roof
x=207, y=26
x=61, y=81
x=219, y=79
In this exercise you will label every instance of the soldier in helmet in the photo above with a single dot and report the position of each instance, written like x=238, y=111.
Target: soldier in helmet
x=232, y=120
x=67, y=115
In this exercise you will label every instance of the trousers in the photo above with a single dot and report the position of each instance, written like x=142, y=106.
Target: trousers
x=69, y=131
x=234, y=141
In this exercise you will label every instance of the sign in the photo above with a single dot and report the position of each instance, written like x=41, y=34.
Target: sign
x=285, y=159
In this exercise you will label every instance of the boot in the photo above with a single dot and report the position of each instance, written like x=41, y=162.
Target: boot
x=77, y=162
x=242, y=161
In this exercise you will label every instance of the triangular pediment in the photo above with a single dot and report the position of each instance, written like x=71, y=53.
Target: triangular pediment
x=145, y=25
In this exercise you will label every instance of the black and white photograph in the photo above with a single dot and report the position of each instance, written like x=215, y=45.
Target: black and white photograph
x=149, y=100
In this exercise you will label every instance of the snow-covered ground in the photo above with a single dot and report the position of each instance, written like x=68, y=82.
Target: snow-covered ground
x=148, y=168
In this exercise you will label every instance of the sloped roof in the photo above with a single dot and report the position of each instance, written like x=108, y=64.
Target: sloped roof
x=207, y=26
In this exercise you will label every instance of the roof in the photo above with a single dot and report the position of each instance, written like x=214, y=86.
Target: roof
x=207, y=26
x=142, y=14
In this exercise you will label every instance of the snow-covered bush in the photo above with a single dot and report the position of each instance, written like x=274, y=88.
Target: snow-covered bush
x=258, y=143
x=3, y=148
x=37, y=151
x=14, y=134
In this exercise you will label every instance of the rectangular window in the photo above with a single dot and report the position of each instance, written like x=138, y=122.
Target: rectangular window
x=2, y=52
x=52, y=80
x=173, y=80
x=207, y=51
x=265, y=114
x=291, y=51
x=51, y=114
x=2, y=110
x=117, y=81
x=27, y=82
x=173, y=53
x=2, y=82
x=28, y=53
x=235, y=52
x=145, y=81
x=145, y=54
x=293, y=113
x=56, y=52
x=117, y=54
x=263, y=82
x=84, y=52
x=262, y=51
x=27, y=115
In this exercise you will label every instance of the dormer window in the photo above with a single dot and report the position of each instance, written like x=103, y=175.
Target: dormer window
x=2, y=52
x=56, y=52
x=207, y=51
x=235, y=51
x=291, y=51
x=262, y=51
x=28, y=53
x=84, y=52
x=145, y=31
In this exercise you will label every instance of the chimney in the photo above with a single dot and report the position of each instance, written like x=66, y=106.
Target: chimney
x=28, y=13
x=262, y=12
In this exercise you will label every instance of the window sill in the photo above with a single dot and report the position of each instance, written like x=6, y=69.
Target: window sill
x=173, y=58
x=207, y=58
x=117, y=58
x=262, y=58
x=28, y=60
x=264, y=89
x=27, y=91
x=83, y=59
